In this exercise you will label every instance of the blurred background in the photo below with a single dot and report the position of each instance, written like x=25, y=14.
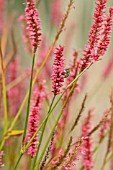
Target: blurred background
x=74, y=36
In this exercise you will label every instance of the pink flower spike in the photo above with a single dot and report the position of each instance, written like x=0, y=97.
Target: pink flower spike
x=105, y=125
x=94, y=35
x=87, y=143
x=33, y=24
x=39, y=96
x=58, y=68
x=105, y=40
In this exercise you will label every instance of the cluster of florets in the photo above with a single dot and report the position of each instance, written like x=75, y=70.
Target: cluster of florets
x=39, y=96
x=99, y=36
x=58, y=68
x=33, y=24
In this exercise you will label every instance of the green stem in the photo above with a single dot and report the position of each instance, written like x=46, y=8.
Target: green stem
x=29, y=98
x=2, y=143
x=45, y=60
x=107, y=160
x=21, y=154
x=31, y=164
x=19, y=112
x=4, y=93
x=41, y=137
x=34, y=80
x=28, y=110
x=53, y=129
x=26, y=147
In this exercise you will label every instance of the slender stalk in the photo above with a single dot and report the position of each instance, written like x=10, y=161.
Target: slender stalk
x=29, y=98
x=53, y=129
x=34, y=80
x=2, y=143
x=21, y=154
x=46, y=58
x=75, y=80
x=44, y=62
x=28, y=110
x=19, y=112
x=31, y=164
x=43, y=129
x=55, y=106
x=108, y=158
x=4, y=92
x=26, y=147
x=96, y=148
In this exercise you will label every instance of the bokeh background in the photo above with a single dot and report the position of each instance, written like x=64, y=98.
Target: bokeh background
x=74, y=36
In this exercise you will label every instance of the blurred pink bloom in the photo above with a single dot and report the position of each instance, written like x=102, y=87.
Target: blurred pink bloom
x=33, y=24
x=64, y=165
x=15, y=94
x=87, y=143
x=56, y=12
x=108, y=67
x=30, y=0
x=42, y=52
x=34, y=117
x=58, y=69
x=111, y=164
x=105, y=125
x=69, y=161
x=1, y=155
x=2, y=3
x=74, y=70
x=83, y=81
x=25, y=34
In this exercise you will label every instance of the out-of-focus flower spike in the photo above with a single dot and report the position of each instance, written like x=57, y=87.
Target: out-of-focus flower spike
x=74, y=70
x=15, y=94
x=108, y=67
x=25, y=34
x=33, y=24
x=42, y=52
x=87, y=161
x=47, y=153
x=105, y=125
x=58, y=70
x=1, y=162
x=56, y=12
x=34, y=117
